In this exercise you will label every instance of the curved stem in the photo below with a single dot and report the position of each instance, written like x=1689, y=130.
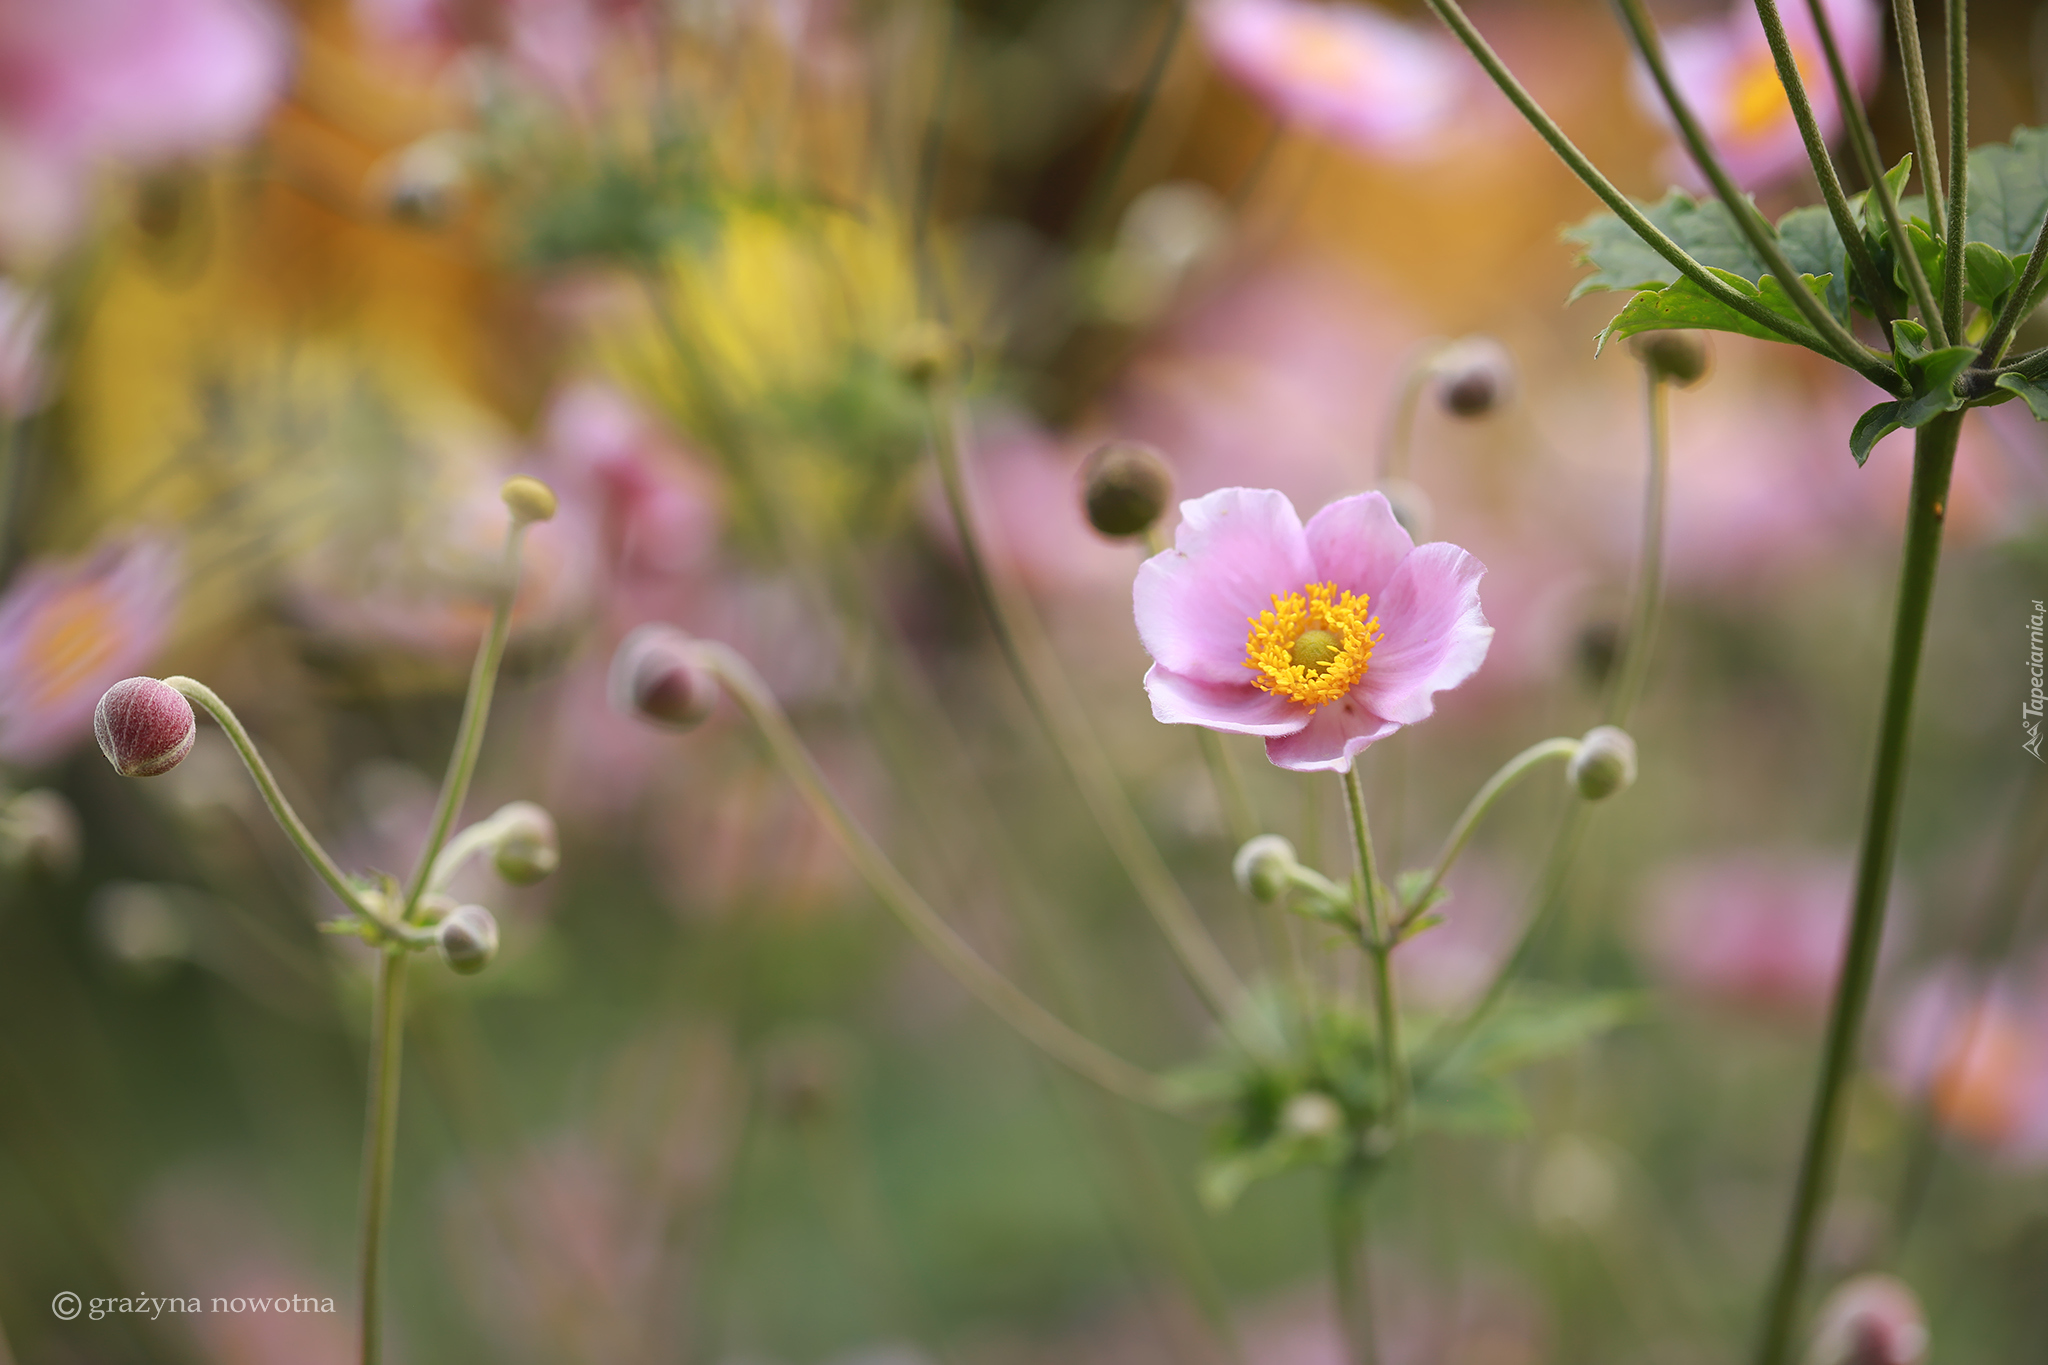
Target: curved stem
x=1348, y=1274
x=380, y=1139
x=955, y=954
x=1934, y=451
x=1399, y=436
x=1860, y=358
x=1634, y=668
x=1065, y=721
x=1761, y=235
x=1915, y=66
x=466, y=844
x=1875, y=285
x=280, y=809
x=1958, y=165
x=476, y=710
x=1127, y=137
x=1379, y=947
x=1482, y=801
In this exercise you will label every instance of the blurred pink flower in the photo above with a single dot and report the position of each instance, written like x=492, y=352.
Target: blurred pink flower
x=1725, y=71
x=24, y=376
x=1751, y=929
x=71, y=629
x=554, y=44
x=1343, y=71
x=1362, y=630
x=1978, y=1053
x=84, y=82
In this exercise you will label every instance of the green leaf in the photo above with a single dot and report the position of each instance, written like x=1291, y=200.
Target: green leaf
x=2009, y=191
x=1467, y=1104
x=1685, y=304
x=1621, y=260
x=1931, y=257
x=1988, y=274
x=1408, y=886
x=2035, y=394
x=1934, y=385
x=1813, y=247
x=1872, y=427
x=1224, y=1178
x=1531, y=1025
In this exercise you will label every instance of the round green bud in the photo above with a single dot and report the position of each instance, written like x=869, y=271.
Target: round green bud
x=926, y=353
x=1125, y=488
x=527, y=850
x=1605, y=763
x=1311, y=1114
x=145, y=727
x=1264, y=866
x=1474, y=376
x=1676, y=357
x=528, y=499
x=468, y=939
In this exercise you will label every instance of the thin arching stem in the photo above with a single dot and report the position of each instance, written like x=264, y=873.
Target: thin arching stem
x=1511, y=772
x=1104, y=190
x=1756, y=229
x=1915, y=66
x=1634, y=669
x=1861, y=359
x=1379, y=947
x=1934, y=452
x=1958, y=165
x=1875, y=285
x=1002, y=996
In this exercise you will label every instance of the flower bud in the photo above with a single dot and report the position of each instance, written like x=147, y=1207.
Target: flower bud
x=926, y=353
x=1411, y=507
x=468, y=939
x=1605, y=763
x=1870, y=1320
x=657, y=678
x=1264, y=866
x=527, y=849
x=529, y=499
x=145, y=727
x=1125, y=487
x=39, y=829
x=1676, y=357
x=1474, y=375
x=1311, y=1114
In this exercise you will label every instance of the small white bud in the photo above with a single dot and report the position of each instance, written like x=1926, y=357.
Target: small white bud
x=1264, y=866
x=1311, y=1114
x=468, y=939
x=1605, y=763
x=527, y=850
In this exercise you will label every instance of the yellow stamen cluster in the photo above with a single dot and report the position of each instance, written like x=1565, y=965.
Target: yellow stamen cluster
x=1314, y=645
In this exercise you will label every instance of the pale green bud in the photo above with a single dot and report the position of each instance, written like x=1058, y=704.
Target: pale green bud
x=1605, y=763
x=468, y=939
x=1264, y=866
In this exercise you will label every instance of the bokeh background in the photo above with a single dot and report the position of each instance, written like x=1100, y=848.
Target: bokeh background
x=291, y=287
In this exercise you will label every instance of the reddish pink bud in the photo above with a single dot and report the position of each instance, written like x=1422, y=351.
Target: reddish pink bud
x=145, y=727
x=1871, y=1320
x=656, y=677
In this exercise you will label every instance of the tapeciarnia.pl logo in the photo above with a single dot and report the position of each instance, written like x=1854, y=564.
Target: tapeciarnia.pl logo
x=2030, y=710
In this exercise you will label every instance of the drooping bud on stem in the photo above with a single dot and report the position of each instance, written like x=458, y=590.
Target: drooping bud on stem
x=1870, y=1320
x=528, y=499
x=527, y=849
x=145, y=727
x=1676, y=357
x=1474, y=375
x=926, y=353
x=657, y=678
x=468, y=939
x=1605, y=763
x=1264, y=866
x=1125, y=488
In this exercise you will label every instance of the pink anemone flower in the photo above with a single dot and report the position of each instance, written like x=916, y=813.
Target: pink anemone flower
x=1321, y=638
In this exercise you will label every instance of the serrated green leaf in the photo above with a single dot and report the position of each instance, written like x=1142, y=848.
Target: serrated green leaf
x=1931, y=256
x=1621, y=260
x=1872, y=427
x=2009, y=191
x=1872, y=211
x=1988, y=274
x=1685, y=304
x=2034, y=393
x=1813, y=247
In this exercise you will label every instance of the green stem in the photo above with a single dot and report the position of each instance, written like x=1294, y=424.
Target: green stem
x=476, y=710
x=1634, y=669
x=1863, y=141
x=1348, y=1265
x=1861, y=359
x=1399, y=438
x=1875, y=285
x=1127, y=138
x=1958, y=165
x=1065, y=721
x=1934, y=452
x=1915, y=67
x=1482, y=801
x=1379, y=947
x=466, y=844
x=380, y=1139
x=1238, y=815
x=985, y=983
x=280, y=809
x=1762, y=237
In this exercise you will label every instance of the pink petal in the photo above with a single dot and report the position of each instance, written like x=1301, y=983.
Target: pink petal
x=1240, y=709
x=1356, y=543
x=1235, y=549
x=1331, y=737
x=1435, y=635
